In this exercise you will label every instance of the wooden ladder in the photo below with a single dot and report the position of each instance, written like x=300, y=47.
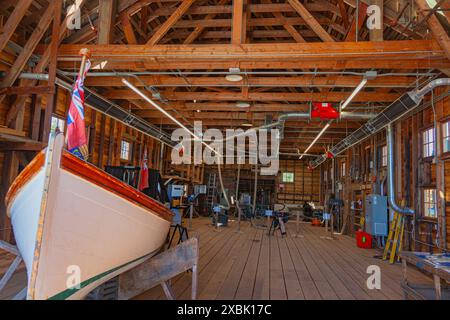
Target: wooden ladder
x=394, y=242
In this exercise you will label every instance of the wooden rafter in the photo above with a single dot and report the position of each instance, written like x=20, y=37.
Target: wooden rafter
x=128, y=29
x=198, y=30
x=357, y=22
x=343, y=11
x=436, y=28
x=179, y=12
x=311, y=21
x=13, y=21
x=259, y=96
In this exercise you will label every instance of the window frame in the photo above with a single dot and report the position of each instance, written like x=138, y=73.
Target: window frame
x=443, y=137
x=427, y=205
x=129, y=150
x=283, y=177
x=426, y=145
x=384, y=157
x=343, y=169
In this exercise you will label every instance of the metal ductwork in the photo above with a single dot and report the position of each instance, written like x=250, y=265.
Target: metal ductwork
x=396, y=110
x=390, y=176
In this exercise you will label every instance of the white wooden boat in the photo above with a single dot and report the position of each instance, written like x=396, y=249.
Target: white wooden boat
x=69, y=216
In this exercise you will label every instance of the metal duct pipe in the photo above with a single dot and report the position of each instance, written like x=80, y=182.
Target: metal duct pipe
x=344, y=115
x=394, y=111
x=390, y=176
x=105, y=106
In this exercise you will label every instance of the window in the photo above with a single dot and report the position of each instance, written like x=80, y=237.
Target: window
x=288, y=177
x=446, y=137
x=343, y=169
x=384, y=156
x=429, y=203
x=125, y=150
x=428, y=143
x=57, y=124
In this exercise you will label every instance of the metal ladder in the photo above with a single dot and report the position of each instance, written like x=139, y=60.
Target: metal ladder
x=211, y=191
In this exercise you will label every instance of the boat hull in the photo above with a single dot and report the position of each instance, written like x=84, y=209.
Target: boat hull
x=85, y=232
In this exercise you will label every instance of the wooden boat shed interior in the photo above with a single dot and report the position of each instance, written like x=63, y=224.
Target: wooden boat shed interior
x=241, y=64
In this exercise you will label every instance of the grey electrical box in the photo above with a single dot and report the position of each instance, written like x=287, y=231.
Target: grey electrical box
x=376, y=215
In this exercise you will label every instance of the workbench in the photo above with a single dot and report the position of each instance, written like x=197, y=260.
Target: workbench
x=437, y=265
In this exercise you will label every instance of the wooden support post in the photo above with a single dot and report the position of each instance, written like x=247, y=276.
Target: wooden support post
x=107, y=10
x=101, y=147
x=51, y=98
x=376, y=34
x=238, y=33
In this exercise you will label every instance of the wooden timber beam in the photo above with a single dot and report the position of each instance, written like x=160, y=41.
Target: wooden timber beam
x=288, y=27
x=128, y=29
x=376, y=34
x=311, y=21
x=20, y=8
x=28, y=49
x=357, y=23
x=238, y=30
x=253, y=81
x=19, y=104
x=267, y=52
x=107, y=12
x=436, y=28
x=199, y=29
x=21, y=91
x=51, y=97
x=343, y=12
x=179, y=12
x=259, y=96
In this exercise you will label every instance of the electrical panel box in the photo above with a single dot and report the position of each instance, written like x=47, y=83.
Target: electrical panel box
x=176, y=191
x=376, y=221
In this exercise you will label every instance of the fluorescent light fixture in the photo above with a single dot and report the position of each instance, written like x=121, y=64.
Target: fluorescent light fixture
x=316, y=138
x=198, y=110
x=354, y=93
x=168, y=115
x=242, y=104
x=247, y=124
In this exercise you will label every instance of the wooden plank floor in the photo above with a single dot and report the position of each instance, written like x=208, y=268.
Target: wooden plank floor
x=251, y=265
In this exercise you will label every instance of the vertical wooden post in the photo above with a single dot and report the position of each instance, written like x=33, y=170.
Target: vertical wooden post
x=51, y=98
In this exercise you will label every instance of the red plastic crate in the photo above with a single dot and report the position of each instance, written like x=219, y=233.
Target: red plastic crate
x=363, y=240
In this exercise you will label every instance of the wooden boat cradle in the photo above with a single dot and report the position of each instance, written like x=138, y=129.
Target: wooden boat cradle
x=150, y=273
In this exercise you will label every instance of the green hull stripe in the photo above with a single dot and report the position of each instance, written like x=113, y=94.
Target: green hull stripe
x=67, y=293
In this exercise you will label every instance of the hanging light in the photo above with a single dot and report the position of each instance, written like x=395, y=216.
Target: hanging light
x=242, y=104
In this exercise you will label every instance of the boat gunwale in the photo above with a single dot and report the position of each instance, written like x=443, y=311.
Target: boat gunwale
x=28, y=173
x=91, y=173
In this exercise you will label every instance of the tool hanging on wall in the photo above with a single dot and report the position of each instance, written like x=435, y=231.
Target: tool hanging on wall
x=394, y=242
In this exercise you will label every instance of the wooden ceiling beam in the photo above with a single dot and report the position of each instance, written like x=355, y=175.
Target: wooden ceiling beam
x=254, y=81
x=167, y=25
x=125, y=94
x=311, y=21
x=28, y=49
x=403, y=49
x=13, y=21
x=238, y=27
x=199, y=29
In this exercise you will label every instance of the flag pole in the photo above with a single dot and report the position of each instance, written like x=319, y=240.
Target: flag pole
x=85, y=54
